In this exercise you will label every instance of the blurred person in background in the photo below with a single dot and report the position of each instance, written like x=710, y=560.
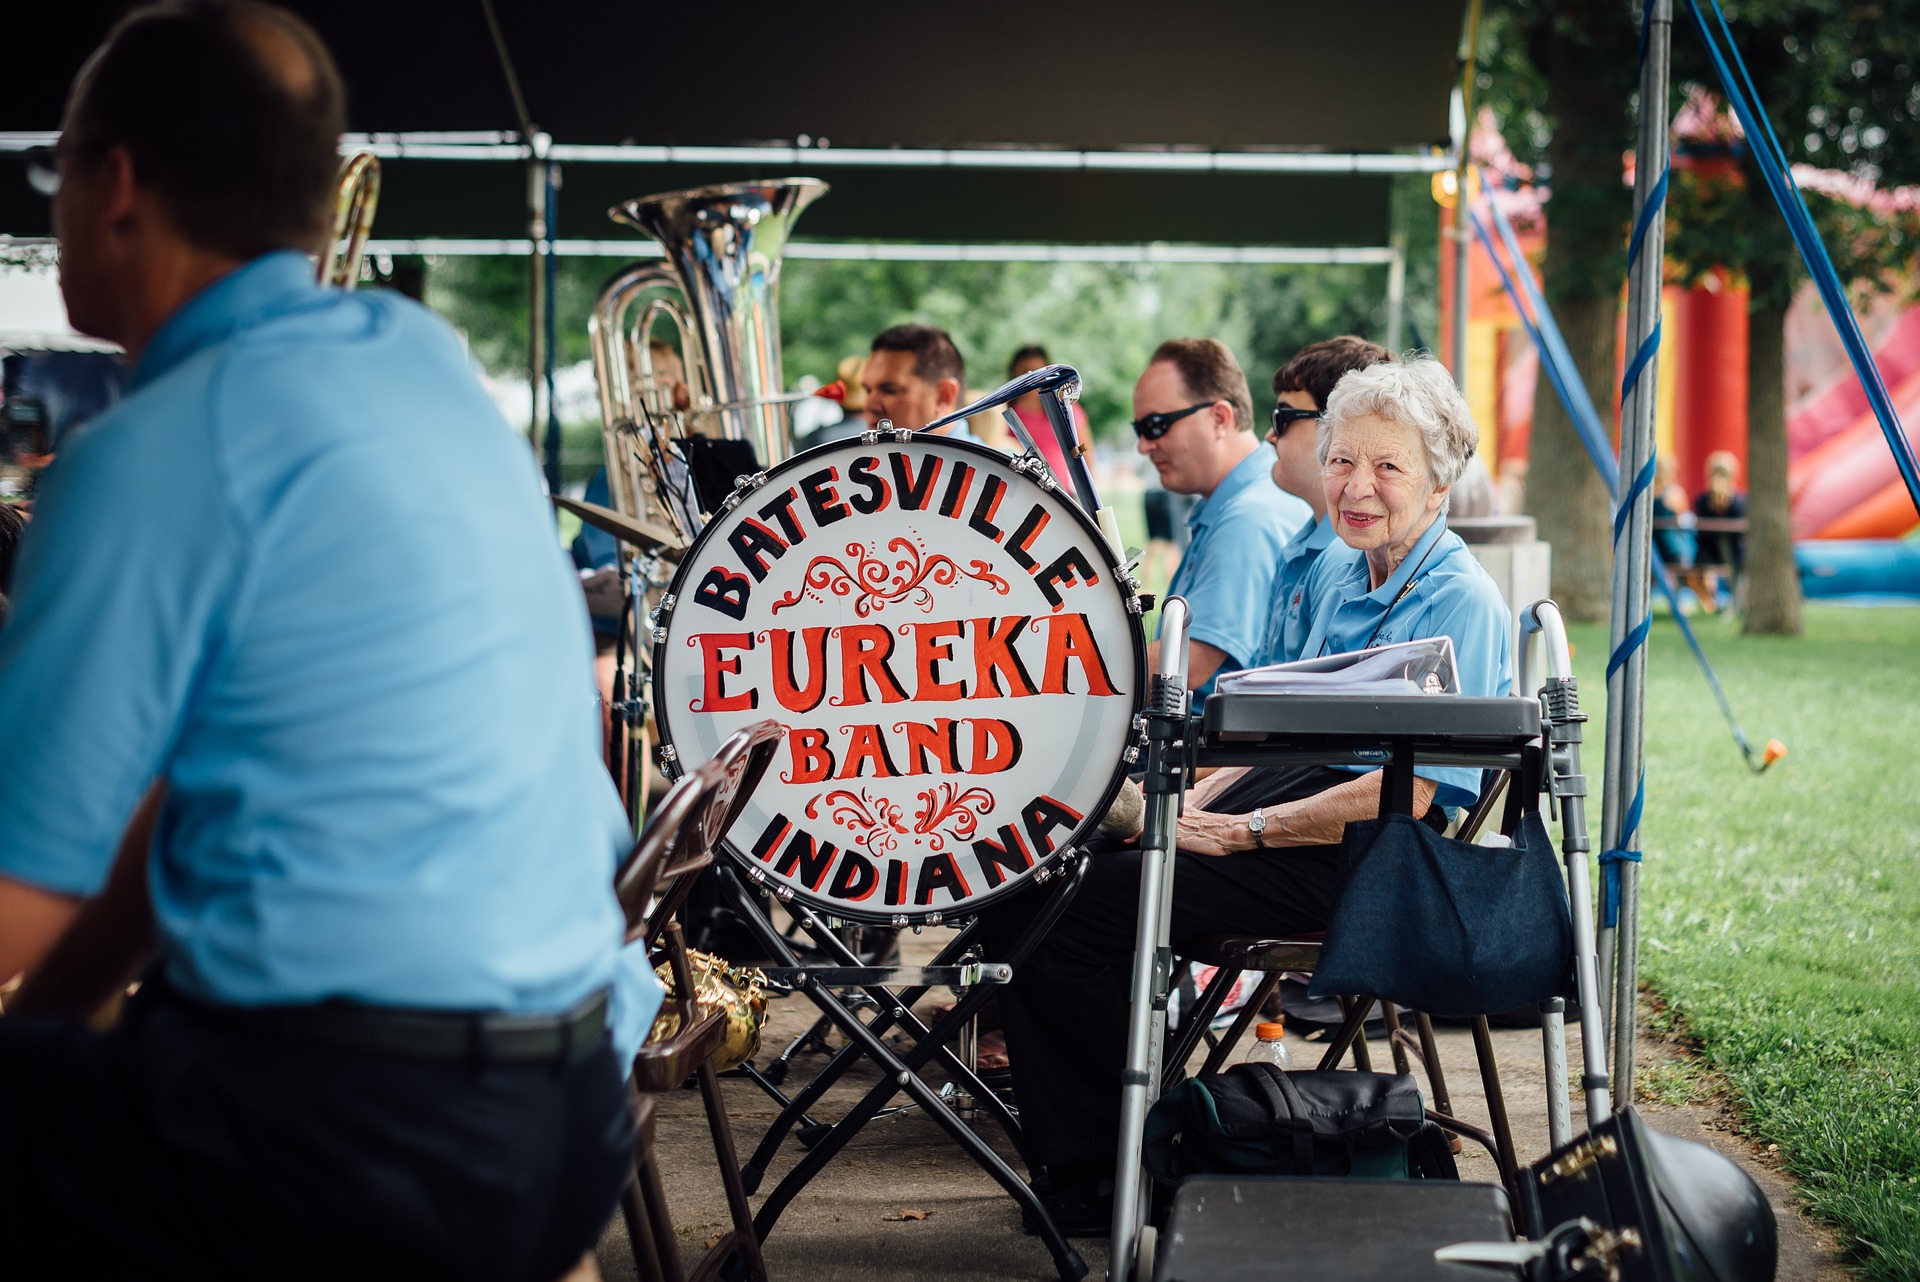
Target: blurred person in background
x=1034, y=418
x=913, y=376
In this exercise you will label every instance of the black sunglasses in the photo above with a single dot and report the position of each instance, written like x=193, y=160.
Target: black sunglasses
x=1285, y=417
x=43, y=170
x=1151, y=427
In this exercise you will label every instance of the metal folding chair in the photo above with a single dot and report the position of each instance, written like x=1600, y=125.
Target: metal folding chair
x=653, y=881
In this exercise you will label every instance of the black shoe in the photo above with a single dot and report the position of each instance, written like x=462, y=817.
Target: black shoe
x=1080, y=1206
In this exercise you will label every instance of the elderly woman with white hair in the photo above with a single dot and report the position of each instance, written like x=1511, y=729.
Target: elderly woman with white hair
x=1259, y=848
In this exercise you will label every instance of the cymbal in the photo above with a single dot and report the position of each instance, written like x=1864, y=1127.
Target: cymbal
x=642, y=534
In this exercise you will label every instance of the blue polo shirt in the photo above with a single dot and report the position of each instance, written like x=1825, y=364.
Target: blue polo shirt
x=1291, y=613
x=1451, y=596
x=1238, y=534
x=304, y=573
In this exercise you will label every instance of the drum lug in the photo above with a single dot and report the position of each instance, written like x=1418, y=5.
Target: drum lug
x=659, y=613
x=659, y=636
x=870, y=437
x=899, y=920
x=933, y=919
x=783, y=893
x=669, y=761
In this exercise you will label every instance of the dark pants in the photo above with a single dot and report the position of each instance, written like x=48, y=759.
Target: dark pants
x=1065, y=1013
x=175, y=1147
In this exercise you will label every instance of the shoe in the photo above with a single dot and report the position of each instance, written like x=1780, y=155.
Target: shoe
x=1080, y=1205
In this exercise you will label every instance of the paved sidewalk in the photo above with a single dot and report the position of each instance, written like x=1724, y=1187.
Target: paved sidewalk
x=862, y=1217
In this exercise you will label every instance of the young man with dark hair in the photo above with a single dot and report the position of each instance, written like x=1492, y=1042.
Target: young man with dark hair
x=316, y=740
x=1302, y=387
x=914, y=376
x=1193, y=416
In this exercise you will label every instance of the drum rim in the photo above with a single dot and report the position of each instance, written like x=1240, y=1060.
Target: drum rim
x=1077, y=840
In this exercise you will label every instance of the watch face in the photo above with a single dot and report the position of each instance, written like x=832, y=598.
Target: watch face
x=1258, y=823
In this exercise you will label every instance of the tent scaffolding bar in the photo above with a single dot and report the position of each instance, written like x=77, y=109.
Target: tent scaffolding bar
x=1277, y=255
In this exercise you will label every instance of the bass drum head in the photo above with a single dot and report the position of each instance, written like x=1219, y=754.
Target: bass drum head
x=952, y=652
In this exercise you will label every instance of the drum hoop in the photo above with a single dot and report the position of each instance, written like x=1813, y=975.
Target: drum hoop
x=1076, y=840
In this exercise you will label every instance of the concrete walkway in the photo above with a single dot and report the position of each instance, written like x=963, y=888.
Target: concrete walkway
x=903, y=1203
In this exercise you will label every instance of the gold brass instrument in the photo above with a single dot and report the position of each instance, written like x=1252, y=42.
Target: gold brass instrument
x=718, y=290
x=356, y=195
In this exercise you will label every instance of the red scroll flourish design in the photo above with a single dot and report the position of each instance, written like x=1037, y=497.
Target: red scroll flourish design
x=949, y=811
x=873, y=821
x=874, y=583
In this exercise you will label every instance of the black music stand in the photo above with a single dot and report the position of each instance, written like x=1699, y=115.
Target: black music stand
x=1392, y=732
x=899, y=1073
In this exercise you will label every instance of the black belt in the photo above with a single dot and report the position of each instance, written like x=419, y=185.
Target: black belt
x=443, y=1036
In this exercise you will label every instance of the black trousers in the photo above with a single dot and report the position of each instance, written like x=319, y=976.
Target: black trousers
x=1065, y=1013
x=175, y=1148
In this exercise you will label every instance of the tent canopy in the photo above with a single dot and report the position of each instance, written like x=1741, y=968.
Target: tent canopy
x=1248, y=79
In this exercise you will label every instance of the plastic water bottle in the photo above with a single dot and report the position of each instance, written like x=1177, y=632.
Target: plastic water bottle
x=1268, y=1048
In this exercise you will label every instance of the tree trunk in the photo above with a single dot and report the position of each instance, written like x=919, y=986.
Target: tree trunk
x=1772, y=584
x=1585, y=53
x=1565, y=494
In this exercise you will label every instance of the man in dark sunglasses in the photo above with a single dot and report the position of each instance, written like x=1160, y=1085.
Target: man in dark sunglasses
x=1301, y=387
x=1193, y=417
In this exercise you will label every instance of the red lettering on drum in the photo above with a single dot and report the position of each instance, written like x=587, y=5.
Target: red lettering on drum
x=1043, y=815
x=957, y=487
x=940, y=872
x=994, y=657
x=942, y=739
x=930, y=650
x=1067, y=570
x=790, y=693
x=805, y=860
x=775, y=832
x=713, y=697
x=822, y=499
x=914, y=492
x=988, y=507
x=862, y=474
x=864, y=651
x=855, y=879
x=725, y=592
x=998, y=858
x=1069, y=638
x=754, y=543
x=812, y=758
x=865, y=744
x=1019, y=548
x=781, y=510
x=996, y=746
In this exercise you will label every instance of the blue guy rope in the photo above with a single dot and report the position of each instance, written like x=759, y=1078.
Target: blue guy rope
x=1772, y=160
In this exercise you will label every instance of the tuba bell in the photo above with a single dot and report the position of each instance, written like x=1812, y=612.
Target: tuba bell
x=718, y=290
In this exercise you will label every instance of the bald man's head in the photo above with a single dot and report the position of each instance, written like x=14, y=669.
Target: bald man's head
x=231, y=112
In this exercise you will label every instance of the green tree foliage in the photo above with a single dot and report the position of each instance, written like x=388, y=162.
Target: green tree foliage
x=1837, y=80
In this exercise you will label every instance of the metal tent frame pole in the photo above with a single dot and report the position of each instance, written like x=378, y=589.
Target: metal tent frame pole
x=1632, y=561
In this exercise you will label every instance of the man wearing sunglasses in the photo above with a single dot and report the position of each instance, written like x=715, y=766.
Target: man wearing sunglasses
x=1193, y=416
x=1302, y=386
x=313, y=739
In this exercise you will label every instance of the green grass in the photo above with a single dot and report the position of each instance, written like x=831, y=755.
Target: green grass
x=1780, y=918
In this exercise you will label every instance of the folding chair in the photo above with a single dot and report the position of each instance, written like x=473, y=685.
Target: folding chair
x=653, y=881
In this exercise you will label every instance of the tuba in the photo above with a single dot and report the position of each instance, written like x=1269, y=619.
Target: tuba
x=718, y=290
x=356, y=195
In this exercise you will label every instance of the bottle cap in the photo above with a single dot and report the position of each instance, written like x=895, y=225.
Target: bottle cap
x=1270, y=1032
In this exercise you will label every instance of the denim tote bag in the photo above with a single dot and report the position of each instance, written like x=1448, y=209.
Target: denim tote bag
x=1445, y=926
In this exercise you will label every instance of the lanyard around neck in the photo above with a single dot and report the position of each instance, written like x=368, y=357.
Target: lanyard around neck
x=1412, y=581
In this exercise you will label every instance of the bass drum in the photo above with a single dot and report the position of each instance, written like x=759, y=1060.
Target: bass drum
x=952, y=650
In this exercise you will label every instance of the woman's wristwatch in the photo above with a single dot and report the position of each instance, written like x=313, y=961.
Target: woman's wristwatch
x=1257, y=825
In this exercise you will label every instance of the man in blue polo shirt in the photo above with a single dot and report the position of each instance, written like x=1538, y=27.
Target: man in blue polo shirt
x=1193, y=416
x=299, y=591
x=1301, y=388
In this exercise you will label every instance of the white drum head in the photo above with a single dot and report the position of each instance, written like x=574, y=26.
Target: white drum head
x=952, y=653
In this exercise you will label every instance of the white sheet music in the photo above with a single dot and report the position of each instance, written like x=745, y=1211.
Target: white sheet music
x=1412, y=667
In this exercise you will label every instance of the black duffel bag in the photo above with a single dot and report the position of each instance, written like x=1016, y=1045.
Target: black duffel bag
x=1256, y=1119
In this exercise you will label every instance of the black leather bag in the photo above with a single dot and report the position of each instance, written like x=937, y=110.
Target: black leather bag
x=1256, y=1119
x=1445, y=926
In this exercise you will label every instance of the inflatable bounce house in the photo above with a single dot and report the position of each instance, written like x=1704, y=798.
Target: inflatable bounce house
x=1852, y=518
